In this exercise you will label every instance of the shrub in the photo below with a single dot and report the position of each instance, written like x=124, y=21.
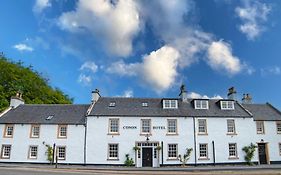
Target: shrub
x=183, y=159
x=249, y=150
x=129, y=161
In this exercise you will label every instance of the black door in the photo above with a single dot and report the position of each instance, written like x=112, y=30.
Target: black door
x=262, y=153
x=147, y=157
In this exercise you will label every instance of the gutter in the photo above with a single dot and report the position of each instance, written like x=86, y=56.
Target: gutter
x=85, y=141
x=194, y=139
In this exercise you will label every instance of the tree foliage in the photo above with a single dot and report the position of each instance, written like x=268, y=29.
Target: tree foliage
x=15, y=77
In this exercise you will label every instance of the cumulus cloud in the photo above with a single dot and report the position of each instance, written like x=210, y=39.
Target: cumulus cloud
x=85, y=79
x=199, y=96
x=116, y=24
x=89, y=65
x=253, y=15
x=23, y=47
x=220, y=57
x=40, y=5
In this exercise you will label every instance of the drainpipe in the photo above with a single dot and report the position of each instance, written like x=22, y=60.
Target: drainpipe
x=85, y=141
x=162, y=158
x=214, y=154
x=194, y=139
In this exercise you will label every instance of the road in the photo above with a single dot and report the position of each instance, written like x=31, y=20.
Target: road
x=42, y=171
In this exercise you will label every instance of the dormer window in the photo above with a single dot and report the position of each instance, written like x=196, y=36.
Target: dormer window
x=112, y=104
x=227, y=105
x=170, y=104
x=201, y=104
x=49, y=117
x=144, y=104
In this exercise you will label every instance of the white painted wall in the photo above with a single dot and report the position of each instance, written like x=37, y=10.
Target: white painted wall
x=48, y=134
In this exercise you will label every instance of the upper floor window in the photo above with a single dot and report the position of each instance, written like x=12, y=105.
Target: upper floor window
x=112, y=104
x=260, y=127
x=145, y=126
x=144, y=104
x=62, y=131
x=202, y=126
x=114, y=126
x=61, y=152
x=203, y=151
x=6, y=151
x=201, y=104
x=170, y=104
x=231, y=126
x=35, y=131
x=232, y=150
x=9, y=131
x=227, y=104
x=278, y=127
x=113, y=151
x=172, y=126
x=172, y=151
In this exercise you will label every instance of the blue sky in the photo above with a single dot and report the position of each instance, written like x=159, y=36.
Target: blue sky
x=148, y=48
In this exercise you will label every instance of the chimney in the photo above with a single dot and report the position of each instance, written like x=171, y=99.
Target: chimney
x=16, y=100
x=95, y=95
x=231, y=93
x=247, y=99
x=183, y=93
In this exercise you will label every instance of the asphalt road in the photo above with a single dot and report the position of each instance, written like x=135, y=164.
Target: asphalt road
x=42, y=171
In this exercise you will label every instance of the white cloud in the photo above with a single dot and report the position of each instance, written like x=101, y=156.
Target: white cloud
x=274, y=70
x=199, y=96
x=253, y=15
x=123, y=69
x=40, y=5
x=89, y=65
x=85, y=79
x=114, y=24
x=128, y=93
x=220, y=58
x=23, y=47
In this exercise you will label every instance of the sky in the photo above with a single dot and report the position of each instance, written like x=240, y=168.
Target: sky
x=148, y=48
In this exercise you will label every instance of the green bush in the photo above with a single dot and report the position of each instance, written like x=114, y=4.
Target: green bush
x=249, y=150
x=129, y=161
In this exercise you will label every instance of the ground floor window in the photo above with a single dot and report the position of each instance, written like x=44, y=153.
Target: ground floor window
x=6, y=151
x=203, y=150
x=112, y=151
x=33, y=152
x=232, y=150
x=172, y=151
x=61, y=150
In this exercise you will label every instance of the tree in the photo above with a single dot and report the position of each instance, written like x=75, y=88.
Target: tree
x=15, y=77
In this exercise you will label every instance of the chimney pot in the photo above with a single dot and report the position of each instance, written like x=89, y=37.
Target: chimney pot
x=231, y=93
x=95, y=95
x=183, y=93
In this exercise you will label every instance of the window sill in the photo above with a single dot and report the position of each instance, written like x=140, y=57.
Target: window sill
x=8, y=137
x=202, y=134
x=111, y=159
x=32, y=158
x=172, y=134
x=172, y=159
x=231, y=134
x=203, y=158
x=261, y=133
x=62, y=137
x=5, y=157
x=145, y=134
x=34, y=137
x=61, y=159
x=113, y=134
x=233, y=158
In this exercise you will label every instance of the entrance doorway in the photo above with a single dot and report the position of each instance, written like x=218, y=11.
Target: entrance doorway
x=147, y=157
x=263, y=157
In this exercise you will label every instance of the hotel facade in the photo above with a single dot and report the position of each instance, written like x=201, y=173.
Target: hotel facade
x=152, y=131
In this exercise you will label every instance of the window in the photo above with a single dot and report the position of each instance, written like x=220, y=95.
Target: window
x=114, y=126
x=203, y=150
x=172, y=151
x=260, y=127
x=232, y=150
x=201, y=104
x=231, y=126
x=172, y=126
x=155, y=153
x=6, y=151
x=62, y=131
x=112, y=151
x=49, y=117
x=61, y=150
x=227, y=105
x=144, y=104
x=9, y=130
x=112, y=104
x=35, y=131
x=170, y=104
x=202, y=126
x=33, y=152
x=278, y=127
x=145, y=126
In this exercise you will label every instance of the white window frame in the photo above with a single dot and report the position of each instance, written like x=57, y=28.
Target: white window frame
x=142, y=126
x=112, y=127
x=204, y=126
x=198, y=104
x=278, y=127
x=173, y=127
x=61, y=155
x=60, y=135
x=30, y=151
x=112, y=104
x=201, y=151
x=260, y=127
x=232, y=148
x=144, y=104
x=3, y=151
x=227, y=105
x=32, y=131
x=231, y=126
x=173, y=151
x=9, y=131
x=170, y=104
x=113, y=149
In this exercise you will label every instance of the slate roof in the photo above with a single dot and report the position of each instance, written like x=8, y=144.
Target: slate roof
x=37, y=114
x=264, y=112
x=133, y=107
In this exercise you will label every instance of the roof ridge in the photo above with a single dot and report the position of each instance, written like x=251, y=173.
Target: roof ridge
x=54, y=104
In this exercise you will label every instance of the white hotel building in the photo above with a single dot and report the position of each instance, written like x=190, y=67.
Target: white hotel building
x=103, y=132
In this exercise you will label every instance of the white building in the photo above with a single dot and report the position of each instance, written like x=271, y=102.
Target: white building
x=153, y=131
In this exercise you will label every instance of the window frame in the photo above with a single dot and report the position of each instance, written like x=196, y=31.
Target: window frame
x=172, y=151
x=110, y=132
x=167, y=104
x=235, y=151
x=5, y=134
x=205, y=126
x=176, y=127
x=146, y=133
x=207, y=152
x=58, y=152
x=3, y=151
x=144, y=104
x=228, y=127
x=112, y=104
x=31, y=135
x=262, y=127
x=278, y=127
x=198, y=104
x=227, y=107
x=59, y=132
x=30, y=151
x=109, y=151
